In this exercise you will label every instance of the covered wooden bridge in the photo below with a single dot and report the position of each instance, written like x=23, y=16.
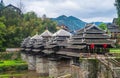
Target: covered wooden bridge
x=53, y=54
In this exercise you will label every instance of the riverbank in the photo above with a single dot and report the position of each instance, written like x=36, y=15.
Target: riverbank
x=12, y=65
x=22, y=74
x=11, y=61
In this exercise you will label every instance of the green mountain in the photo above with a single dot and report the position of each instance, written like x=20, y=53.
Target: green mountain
x=71, y=22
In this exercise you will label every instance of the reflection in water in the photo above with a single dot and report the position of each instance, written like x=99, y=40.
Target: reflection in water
x=25, y=74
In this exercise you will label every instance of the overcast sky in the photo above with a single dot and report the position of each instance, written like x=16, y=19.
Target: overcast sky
x=86, y=10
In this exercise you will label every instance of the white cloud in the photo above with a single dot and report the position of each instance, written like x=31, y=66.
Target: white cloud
x=100, y=19
x=89, y=10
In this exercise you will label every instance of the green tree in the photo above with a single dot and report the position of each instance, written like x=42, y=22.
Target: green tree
x=19, y=27
x=117, y=4
x=2, y=35
x=103, y=26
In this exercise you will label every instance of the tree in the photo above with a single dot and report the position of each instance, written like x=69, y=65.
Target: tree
x=2, y=35
x=103, y=26
x=20, y=26
x=117, y=4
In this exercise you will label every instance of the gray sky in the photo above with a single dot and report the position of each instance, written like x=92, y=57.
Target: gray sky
x=86, y=10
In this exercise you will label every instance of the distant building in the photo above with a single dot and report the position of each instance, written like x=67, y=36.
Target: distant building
x=90, y=39
x=8, y=9
x=44, y=17
x=63, y=27
x=114, y=30
x=1, y=5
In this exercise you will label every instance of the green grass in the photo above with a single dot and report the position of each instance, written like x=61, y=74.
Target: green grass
x=114, y=50
x=8, y=75
x=11, y=63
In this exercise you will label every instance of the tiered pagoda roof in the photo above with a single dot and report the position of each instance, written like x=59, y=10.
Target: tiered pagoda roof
x=63, y=33
x=24, y=42
x=113, y=28
x=29, y=45
x=89, y=39
x=46, y=33
x=60, y=36
x=59, y=39
x=38, y=43
x=89, y=35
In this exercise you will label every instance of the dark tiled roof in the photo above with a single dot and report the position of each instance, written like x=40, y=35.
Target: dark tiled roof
x=98, y=41
x=47, y=52
x=57, y=41
x=46, y=33
x=77, y=46
x=113, y=28
x=36, y=50
x=97, y=36
x=89, y=35
x=27, y=49
x=62, y=32
x=25, y=41
x=73, y=54
x=91, y=29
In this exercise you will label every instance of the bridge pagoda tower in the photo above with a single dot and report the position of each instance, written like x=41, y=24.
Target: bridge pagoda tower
x=42, y=63
x=89, y=39
x=56, y=43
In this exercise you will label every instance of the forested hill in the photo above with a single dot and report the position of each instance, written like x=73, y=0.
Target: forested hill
x=14, y=26
x=71, y=22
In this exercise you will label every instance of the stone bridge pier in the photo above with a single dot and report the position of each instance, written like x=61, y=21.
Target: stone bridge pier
x=42, y=66
x=59, y=67
x=31, y=62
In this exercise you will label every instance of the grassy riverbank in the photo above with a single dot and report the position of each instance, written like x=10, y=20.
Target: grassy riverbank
x=12, y=65
x=114, y=50
x=10, y=75
x=22, y=74
x=11, y=61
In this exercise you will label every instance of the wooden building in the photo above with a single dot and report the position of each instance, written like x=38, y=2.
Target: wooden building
x=38, y=44
x=55, y=56
x=46, y=35
x=115, y=32
x=90, y=39
x=57, y=41
x=24, y=42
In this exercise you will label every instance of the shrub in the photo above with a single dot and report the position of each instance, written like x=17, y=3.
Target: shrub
x=21, y=67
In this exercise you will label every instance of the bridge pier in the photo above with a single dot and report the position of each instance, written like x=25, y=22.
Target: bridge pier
x=42, y=66
x=59, y=68
x=31, y=62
